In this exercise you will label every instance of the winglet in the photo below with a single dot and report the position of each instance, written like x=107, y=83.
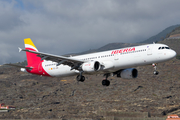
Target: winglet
x=19, y=49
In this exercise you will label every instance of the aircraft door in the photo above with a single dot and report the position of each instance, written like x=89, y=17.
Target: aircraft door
x=149, y=49
x=116, y=56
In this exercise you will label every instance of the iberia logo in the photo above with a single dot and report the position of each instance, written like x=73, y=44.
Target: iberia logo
x=123, y=50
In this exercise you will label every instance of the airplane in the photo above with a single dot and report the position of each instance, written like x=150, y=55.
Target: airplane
x=119, y=62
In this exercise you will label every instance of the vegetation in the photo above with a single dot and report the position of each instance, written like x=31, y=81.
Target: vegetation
x=175, y=31
x=161, y=35
x=24, y=63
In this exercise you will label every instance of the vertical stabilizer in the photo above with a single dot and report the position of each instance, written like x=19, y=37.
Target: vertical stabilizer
x=29, y=44
x=32, y=58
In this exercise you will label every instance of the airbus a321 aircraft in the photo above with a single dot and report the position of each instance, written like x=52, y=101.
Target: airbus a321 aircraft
x=117, y=62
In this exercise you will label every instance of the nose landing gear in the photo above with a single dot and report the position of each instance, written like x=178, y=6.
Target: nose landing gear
x=155, y=69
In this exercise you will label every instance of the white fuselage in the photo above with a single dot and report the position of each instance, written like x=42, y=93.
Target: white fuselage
x=117, y=59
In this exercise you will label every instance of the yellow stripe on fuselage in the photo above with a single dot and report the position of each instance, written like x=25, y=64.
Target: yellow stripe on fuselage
x=29, y=42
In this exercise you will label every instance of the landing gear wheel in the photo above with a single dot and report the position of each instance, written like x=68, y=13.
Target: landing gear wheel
x=155, y=68
x=80, y=78
x=105, y=82
x=156, y=72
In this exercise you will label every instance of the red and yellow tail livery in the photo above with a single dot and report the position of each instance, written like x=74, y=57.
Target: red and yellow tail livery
x=32, y=58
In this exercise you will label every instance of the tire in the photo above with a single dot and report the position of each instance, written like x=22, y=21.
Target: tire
x=78, y=78
x=105, y=82
x=156, y=72
x=82, y=79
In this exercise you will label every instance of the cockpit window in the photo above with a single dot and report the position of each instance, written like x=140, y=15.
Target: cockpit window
x=163, y=48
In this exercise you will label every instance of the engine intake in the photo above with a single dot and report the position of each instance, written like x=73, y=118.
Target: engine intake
x=128, y=73
x=91, y=66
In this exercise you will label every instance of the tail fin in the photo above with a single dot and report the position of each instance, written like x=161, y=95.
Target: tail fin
x=32, y=58
x=29, y=45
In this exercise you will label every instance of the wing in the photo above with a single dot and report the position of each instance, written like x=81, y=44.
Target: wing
x=72, y=62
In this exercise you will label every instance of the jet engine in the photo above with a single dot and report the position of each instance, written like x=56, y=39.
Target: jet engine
x=128, y=73
x=91, y=66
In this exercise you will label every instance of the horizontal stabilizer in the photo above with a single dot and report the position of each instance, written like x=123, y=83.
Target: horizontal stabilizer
x=14, y=65
x=19, y=49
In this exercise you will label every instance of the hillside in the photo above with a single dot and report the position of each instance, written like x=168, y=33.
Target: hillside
x=160, y=36
x=175, y=33
x=44, y=97
x=64, y=98
x=147, y=96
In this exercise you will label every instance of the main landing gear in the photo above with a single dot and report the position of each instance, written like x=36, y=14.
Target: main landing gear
x=106, y=82
x=80, y=78
x=155, y=69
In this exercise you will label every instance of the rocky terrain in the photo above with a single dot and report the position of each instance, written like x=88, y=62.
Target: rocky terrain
x=147, y=96
x=45, y=97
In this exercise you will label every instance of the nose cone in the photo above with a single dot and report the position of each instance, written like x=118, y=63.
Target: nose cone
x=172, y=54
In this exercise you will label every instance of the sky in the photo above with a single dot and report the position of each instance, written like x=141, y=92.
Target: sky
x=71, y=26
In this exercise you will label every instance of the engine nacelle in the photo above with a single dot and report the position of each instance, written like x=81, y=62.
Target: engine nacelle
x=91, y=66
x=128, y=73
x=23, y=70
